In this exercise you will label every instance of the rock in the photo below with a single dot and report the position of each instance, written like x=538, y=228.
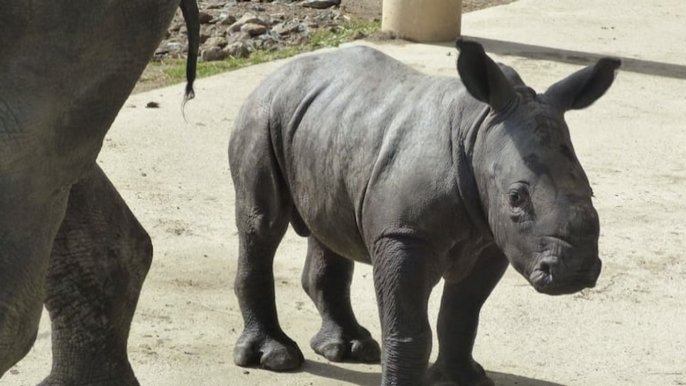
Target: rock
x=237, y=50
x=248, y=18
x=238, y=37
x=278, y=16
x=226, y=19
x=170, y=49
x=321, y=4
x=207, y=31
x=287, y=28
x=204, y=17
x=216, y=41
x=213, y=54
x=254, y=29
x=176, y=26
x=152, y=105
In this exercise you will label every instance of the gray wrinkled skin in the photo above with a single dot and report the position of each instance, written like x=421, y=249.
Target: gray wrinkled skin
x=423, y=177
x=66, y=69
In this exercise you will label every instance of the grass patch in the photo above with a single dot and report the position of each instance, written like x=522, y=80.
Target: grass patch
x=175, y=70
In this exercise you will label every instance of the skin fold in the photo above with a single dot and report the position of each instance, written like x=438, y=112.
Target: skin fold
x=67, y=68
x=423, y=178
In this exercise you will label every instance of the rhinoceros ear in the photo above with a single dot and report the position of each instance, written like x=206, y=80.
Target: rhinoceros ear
x=585, y=86
x=482, y=77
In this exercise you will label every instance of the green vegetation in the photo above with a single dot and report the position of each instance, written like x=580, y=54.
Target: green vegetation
x=355, y=29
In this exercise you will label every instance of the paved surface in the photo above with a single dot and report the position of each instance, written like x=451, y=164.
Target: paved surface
x=630, y=330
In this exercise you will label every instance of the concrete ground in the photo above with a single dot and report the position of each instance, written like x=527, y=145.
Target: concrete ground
x=629, y=330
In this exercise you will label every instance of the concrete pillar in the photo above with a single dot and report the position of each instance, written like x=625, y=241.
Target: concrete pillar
x=422, y=20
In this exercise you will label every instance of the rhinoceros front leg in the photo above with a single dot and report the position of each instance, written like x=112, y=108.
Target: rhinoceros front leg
x=326, y=279
x=99, y=260
x=29, y=218
x=458, y=321
x=405, y=271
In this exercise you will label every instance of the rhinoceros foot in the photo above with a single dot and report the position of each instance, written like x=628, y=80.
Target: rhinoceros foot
x=75, y=380
x=338, y=346
x=455, y=374
x=275, y=352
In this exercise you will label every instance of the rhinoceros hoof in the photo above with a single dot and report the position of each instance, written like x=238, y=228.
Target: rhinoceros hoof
x=276, y=354
x=338, y=347
x=470, y=374
x=75, y=380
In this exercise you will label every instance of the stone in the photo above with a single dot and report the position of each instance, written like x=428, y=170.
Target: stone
x=226, y=19
x=248, y=18
x=238, y=37
x=287, y=28
x=176, y=26
x=207, y=31
x=254, y=29
x=213, y=54
x=216, y=41
x=237, y=50
x=278, y=16
x=204, y=17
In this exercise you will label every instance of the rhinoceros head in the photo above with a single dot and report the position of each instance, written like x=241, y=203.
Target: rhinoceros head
x=534, y=192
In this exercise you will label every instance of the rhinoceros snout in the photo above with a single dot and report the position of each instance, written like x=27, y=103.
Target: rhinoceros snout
x=550, y=276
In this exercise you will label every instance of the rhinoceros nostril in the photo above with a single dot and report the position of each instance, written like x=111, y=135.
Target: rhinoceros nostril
x=544, y=267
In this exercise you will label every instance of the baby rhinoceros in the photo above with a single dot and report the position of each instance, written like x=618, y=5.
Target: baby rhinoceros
x=423, y=177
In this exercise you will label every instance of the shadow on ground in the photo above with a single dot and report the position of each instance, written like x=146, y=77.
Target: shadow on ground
x=503, y=379
x=360, y=378
x=648, y=67
x=331, y=371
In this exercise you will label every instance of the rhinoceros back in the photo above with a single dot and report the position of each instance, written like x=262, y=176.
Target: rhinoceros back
x=354, y=130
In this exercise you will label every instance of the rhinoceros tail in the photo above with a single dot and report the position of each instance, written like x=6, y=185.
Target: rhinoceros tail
x=189, y=8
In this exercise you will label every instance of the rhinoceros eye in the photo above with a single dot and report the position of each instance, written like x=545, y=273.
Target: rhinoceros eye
x=517, y=197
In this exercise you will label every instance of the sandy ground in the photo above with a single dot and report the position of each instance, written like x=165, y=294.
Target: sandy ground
x=630, y=330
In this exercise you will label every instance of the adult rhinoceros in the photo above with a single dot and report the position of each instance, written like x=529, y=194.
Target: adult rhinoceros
x=423, y=177
x=66, y=68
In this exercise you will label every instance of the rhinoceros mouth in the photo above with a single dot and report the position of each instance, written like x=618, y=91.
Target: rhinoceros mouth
x=545, y=280
x=540, y=279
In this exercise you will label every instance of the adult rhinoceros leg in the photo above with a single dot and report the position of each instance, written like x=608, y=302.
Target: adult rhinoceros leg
x=326, y=279
x=405, y=271
x=28, y=224
x=458, y=321
x=100, y=258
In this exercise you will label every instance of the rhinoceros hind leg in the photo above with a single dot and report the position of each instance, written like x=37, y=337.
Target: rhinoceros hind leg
x=99, y=261
x=326, y=278
x=458, y=321
x=263, y=210
x=263, y=342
